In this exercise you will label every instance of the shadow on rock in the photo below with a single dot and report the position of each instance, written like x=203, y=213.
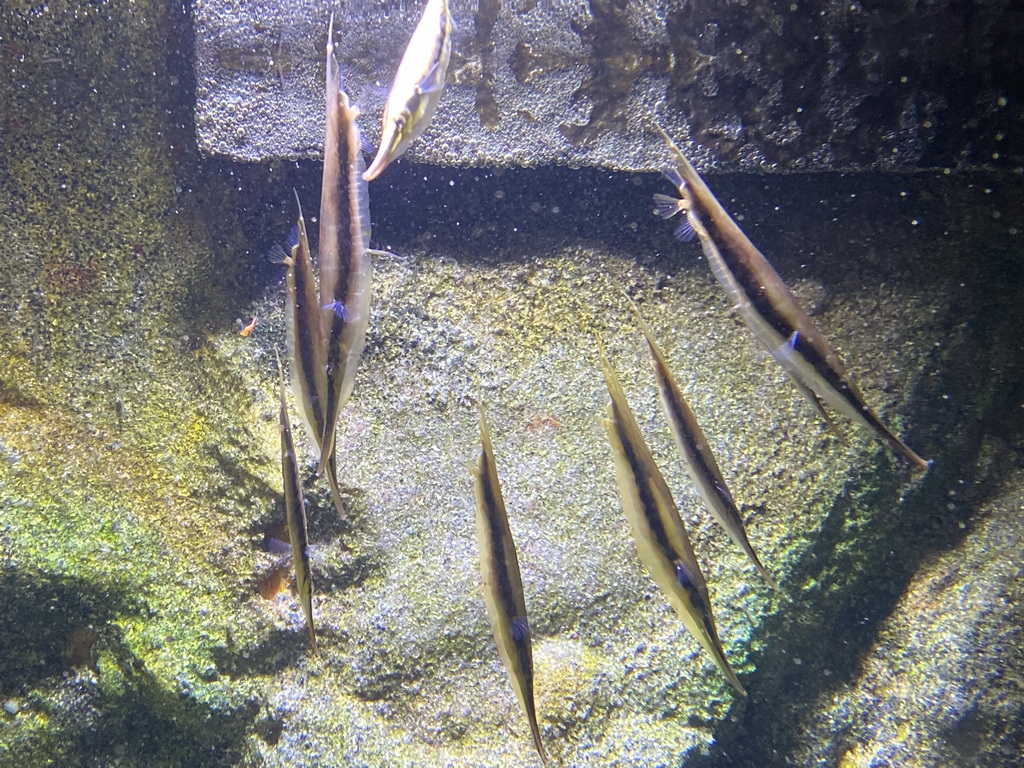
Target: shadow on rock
x=865, y=556
x=83, y=697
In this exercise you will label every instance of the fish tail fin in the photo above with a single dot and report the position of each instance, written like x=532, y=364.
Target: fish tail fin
x=332, y=483
x=538, y=743
x=902, y=450
x=277, y=254
x=765, y=573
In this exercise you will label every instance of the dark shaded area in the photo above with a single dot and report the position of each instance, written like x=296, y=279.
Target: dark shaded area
x=38, y=614
x=281, y=649
x=974, y=387
x=877, y=83
x=52, y=630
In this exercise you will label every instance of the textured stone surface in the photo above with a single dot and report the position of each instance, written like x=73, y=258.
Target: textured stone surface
x=138, y=450
x=824, y=84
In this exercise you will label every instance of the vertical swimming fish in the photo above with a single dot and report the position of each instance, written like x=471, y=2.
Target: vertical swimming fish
x=345, y=268
x=306, y=350
x=765, y=302
x=417, y=88
x=661, y=539
x=696, y=450
x=295, y=513
x=503, y=585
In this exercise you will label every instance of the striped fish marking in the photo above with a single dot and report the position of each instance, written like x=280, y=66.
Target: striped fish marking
x=503, y=584
x=766, y=304
x=295, y=513
x=696, y=451
x=345, y=267
x=660, y=536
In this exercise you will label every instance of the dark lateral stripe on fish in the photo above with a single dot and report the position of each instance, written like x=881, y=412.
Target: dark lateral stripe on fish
x=696, y=450
x=295, y=513
x=503, y=584
x=494, y=506
x=305, y=345
x=344, y=239
x=662, y=542
x=644, y=483
x=743, y=269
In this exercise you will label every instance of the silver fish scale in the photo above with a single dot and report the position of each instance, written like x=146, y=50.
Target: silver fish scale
x=575, y=82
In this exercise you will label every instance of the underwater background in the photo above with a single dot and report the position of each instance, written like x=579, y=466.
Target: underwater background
x=143, y=621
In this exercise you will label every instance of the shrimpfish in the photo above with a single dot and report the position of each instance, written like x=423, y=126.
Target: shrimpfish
x=765, y=302
x=345, y=267
x=697, y=455
x=661, y=539
x=418, y=85
x=503, y=585
x=306, y=350
x=295, y=513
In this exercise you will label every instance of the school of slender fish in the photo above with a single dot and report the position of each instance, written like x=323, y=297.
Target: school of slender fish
x=326, y=331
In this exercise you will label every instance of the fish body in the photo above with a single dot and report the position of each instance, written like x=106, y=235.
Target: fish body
x=295, y=513
x=345, y=267
x=306, y=351
x=304, y=338
x=661, y=539
x=697, y=455
x=503, y=584
x=417, y=87
x=766, y=304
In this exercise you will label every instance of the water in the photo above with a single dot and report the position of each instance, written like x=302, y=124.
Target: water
x=140, y=483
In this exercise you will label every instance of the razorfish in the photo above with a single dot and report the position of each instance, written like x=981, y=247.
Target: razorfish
x=765, y=302
x=697, y=455
x=306, y=346
x=295, y=513
x=345, y=267
x=503, y=585
x=418, y=85
x=661, y=539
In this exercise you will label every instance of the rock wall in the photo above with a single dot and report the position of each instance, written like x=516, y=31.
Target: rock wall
x=810, y=85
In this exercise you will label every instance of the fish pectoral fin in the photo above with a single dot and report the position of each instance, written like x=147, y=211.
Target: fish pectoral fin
x=337, y=307
x=683, y=575
x=276, y=546
x=666, y=206
x=785, y=351
x=685, y=232
x=520, y=628
x=430, y=82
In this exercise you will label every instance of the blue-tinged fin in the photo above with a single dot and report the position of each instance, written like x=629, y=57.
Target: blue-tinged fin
x=520, y=628
x=666, y=206
x=674, y=176
x=430, y=81
x=685, y=232
x=337, y=307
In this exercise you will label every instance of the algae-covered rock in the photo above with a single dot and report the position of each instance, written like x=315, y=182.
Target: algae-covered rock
x=144, y=620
